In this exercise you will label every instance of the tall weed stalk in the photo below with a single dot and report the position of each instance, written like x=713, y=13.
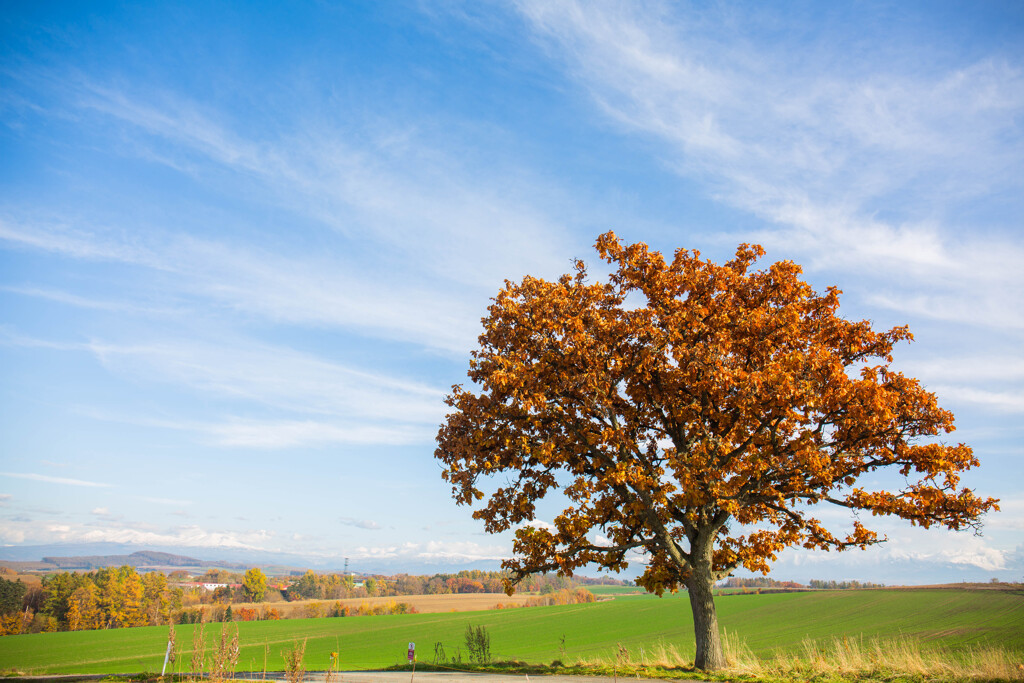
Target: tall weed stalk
x=478, y=642
x=172, y=647
x=225, y=655
x=293, y=662
x=199, y=649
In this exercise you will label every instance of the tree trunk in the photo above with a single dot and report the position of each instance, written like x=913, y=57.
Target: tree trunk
x=705, y=620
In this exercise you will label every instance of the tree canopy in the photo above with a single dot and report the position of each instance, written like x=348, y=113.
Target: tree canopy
x=254, y=585
x=695, y=413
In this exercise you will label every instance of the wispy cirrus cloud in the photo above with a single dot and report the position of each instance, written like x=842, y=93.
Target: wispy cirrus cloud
x=334, y=403
x=382, y=184
x=387, y=181
x=959, y=380
x=300, y=290
x=252, y=433
x=414, y=236
x=274, y=376
x=1010, y=401
x=79, y=301
x=64, y=481
x=856, y=171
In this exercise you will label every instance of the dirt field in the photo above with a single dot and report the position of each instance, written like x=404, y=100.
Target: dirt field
x=425, y=604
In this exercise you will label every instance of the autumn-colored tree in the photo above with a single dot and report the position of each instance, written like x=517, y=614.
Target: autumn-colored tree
x=695, y=413
x=305, y=587
x=222, y=594
x=83, y=612
x=57, y=591
x=218, y=576
x=119, y=597
x=129, y=604
x=254, y=585
x=156, y=604
x=333, y=586
x=12, y=624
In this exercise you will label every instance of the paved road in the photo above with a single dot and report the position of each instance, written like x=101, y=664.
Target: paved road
x=438, y=677
x=367, y=677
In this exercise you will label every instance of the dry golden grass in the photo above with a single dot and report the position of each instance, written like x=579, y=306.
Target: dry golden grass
x=424, y=604
x=841, y=659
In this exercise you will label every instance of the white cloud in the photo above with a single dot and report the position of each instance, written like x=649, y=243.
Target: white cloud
x=376, y=552
x=932, y=552
x=958, y=550
x=290, y=433
x=12, y=536
x=115, y=531
x=1004, y=401
x=166, y=501
x=460, y=551
x=103, y=514
x=1010, y=516
x=988, y=368
x=368, y=524
x=434, y=551
x=53, y=480
x=957, y=379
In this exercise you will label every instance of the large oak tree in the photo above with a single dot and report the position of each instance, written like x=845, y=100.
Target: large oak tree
x=693, y=412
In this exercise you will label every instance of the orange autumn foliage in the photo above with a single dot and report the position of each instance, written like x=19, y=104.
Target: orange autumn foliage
x=694, y=412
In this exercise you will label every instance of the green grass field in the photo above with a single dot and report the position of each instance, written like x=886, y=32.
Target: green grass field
x=602, y=591
x=950, y=619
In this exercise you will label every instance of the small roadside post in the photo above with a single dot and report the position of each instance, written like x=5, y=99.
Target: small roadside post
x=412, y=660
x=167, y=655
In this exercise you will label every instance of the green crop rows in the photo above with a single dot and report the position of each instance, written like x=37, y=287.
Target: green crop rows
x=952, y=619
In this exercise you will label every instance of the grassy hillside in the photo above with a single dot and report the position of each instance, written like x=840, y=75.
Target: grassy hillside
x=953, y=619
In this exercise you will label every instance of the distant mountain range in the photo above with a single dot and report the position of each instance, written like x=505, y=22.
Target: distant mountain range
x=91, y=556
x=96, y=555
x=141, y=558
x=88, y=556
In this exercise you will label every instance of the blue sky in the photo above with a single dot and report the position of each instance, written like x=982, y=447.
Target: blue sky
x=245, y=248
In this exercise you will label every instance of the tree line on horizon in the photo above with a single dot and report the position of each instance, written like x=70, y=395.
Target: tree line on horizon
x=123, y=598
x=816, y=584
